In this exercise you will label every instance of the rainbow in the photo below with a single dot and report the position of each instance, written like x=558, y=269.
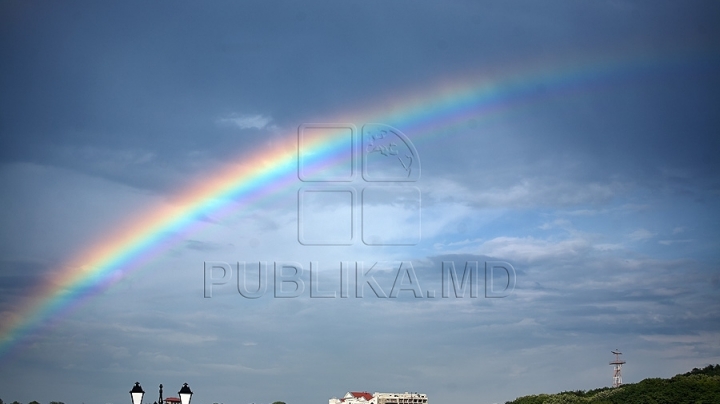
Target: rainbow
x=422, y=115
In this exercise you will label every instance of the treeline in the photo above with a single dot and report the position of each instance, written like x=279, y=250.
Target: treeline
x=699, y=386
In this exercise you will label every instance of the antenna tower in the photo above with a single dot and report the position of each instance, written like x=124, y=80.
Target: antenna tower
x=617, y=375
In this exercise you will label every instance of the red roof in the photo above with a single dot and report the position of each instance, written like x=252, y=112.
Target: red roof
x=364, y=394
x=172, y=400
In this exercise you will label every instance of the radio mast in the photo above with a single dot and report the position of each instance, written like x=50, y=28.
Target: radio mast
x=617, y=375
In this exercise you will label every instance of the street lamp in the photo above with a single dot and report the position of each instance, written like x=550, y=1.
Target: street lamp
x=137, y=394
x=185, y=394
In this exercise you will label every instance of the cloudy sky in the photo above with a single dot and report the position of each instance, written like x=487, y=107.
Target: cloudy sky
x=576, y=141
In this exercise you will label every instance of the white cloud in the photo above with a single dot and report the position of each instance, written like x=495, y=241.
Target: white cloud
x=530, y=249
x=530, y=191
x=641, y=234
x=460, y=243
x=608, y=247
x=695, y=338
x=670, y=242
x=561, y=223
x=246, y=121
x=626, y=208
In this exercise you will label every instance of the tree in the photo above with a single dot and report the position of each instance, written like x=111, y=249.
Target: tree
x=696, y=386
x=279, y=402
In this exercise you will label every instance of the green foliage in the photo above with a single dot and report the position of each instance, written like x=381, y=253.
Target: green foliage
x=33, y=402
x=535, y=399
x=566, y=399
x=699, y=386
x=279, y=402
x=709, y=370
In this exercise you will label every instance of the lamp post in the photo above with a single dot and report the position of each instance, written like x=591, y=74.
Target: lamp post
x=185, y=394
x=137, y=393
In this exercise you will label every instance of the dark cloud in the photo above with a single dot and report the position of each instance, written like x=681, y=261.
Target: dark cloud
x=154, y=83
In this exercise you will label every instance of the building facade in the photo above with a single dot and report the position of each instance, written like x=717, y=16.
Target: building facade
x=363, y=397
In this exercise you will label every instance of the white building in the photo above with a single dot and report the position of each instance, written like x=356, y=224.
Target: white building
x=363, y=397
x=399, y=398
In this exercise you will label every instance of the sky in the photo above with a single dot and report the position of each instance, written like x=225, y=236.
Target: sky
x=155, y=156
